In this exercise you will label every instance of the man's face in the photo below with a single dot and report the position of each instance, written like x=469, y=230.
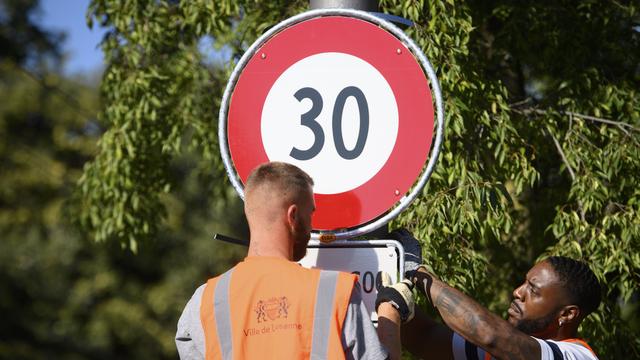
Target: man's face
x=536, y=303
x=302, y=229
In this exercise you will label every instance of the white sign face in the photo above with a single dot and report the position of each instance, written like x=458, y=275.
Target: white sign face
x=363, y=258
x=331, y=113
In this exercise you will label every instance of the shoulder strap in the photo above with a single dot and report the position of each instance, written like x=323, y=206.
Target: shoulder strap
x=223, y=315
x=471, y=351
x=465, y=350
x=322, y=315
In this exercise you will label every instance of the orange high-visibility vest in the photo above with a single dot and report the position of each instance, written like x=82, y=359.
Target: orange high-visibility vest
x=268, y=308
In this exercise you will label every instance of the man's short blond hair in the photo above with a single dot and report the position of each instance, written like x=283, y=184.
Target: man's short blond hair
x=285, y=181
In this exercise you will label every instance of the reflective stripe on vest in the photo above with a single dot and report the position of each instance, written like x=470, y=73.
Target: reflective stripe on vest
x=322, y=320
x=322, y=314
x=223, y=315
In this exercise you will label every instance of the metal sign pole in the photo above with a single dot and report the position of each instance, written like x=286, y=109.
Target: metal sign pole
x=364, y=5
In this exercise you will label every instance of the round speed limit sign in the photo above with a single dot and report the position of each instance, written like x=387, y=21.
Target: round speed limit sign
x=336, y=94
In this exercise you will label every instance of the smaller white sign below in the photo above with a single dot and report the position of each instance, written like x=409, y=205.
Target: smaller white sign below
x=365, y=258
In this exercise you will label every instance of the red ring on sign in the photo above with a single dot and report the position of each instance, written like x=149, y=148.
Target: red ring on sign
x=399, y=68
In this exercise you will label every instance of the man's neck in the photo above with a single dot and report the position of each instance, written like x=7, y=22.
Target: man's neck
x=562, y=333
x=271, y=246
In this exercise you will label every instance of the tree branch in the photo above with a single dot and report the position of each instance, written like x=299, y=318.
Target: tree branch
x=621, y=125
x=66, y=97
x=520, y=103
x=561, y=152
x=566, y=162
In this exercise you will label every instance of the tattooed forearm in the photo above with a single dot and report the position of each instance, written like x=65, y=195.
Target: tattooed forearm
x=460, y=313
x=480, y=326
x=448, y=301
x=474, y=322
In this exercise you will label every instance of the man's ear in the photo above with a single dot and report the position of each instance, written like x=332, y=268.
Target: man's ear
x=569, y=314
x=292, y=216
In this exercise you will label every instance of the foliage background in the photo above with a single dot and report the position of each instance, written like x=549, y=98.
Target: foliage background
x=110, y=193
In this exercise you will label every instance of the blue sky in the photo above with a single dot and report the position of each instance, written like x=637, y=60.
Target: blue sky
x=81, y=45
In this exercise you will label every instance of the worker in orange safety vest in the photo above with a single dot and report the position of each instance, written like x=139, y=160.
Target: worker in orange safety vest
x=557, y=294
x=268, y=306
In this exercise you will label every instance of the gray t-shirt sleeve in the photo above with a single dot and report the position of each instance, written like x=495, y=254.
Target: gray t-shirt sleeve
x=359, y=336
x=190, y=335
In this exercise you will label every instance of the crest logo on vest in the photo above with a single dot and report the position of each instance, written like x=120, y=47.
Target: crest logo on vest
x=269, y=310
x=273, y=308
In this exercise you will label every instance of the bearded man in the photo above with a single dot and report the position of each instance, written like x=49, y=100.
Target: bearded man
x=270, y=307
x=542, y=324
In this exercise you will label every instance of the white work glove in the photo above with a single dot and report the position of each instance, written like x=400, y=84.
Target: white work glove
x=399, y=295
x=412, y=250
